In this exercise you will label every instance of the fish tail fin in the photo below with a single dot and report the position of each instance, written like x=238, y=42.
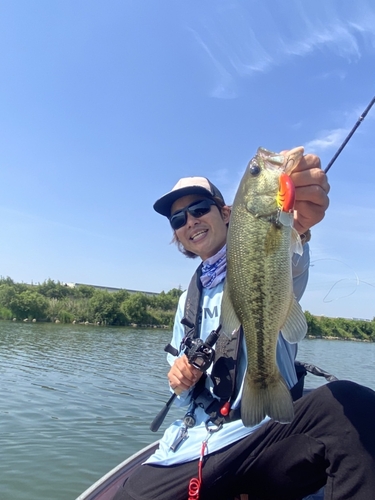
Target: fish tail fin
x=258, y=402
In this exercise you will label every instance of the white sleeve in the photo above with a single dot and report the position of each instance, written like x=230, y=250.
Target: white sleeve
x=300, y=271
x=286, y=353
x=178, y=334
x=178, y=328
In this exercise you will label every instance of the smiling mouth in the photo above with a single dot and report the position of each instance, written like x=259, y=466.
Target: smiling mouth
x=198, y=234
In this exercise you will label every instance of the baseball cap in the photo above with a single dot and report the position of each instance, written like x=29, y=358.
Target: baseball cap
x=184, y=187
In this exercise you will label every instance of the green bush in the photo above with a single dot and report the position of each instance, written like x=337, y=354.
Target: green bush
x=104, y=308
x=135, y=309
x=29, y=304
x=65, y=317
x=5, y=313
x=340, y=327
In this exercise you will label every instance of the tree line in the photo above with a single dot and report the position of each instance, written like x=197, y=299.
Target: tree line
x=340, y=328
x=57, y=302
x=54, y=301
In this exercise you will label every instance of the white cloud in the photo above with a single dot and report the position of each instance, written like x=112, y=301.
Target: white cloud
x=336, y=36
x=327, y=139
x=335, y=73
x=242, y=40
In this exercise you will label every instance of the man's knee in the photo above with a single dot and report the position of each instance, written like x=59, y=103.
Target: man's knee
x=350, y=394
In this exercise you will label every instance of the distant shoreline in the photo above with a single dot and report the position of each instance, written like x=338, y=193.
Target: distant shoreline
x=166, y=327
x=327, y=337
x=87, y=323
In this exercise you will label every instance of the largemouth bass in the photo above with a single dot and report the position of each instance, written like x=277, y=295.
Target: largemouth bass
x=258, y=291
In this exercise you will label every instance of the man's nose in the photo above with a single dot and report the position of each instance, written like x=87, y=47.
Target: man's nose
x=191, y=220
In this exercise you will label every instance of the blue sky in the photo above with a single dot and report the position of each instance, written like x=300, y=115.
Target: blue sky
x=106, y=104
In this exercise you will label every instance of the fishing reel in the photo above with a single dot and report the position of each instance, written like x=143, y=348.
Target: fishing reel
x=200, y=353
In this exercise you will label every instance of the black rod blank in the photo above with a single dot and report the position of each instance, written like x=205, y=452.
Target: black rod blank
x=359, y=121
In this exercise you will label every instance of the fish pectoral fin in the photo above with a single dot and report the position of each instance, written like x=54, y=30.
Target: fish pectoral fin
x=285, y=218
x=296, y=243
x=295, y=326
x=228, y=317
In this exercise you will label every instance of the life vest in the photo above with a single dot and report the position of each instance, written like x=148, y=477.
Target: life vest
x=224, y=368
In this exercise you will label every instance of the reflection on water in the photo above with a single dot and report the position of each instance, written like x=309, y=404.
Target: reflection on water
x=77, y=400
x=347, y=360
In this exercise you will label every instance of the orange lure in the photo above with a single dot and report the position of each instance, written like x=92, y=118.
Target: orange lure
x=287, y=193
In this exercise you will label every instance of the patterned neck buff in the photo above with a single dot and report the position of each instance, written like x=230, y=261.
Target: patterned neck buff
x=214, y=269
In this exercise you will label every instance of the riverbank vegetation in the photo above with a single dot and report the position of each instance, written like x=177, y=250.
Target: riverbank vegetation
x=340, y=328
x=57, y=302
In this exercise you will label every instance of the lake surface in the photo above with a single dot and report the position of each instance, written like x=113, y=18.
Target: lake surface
x=76, y=400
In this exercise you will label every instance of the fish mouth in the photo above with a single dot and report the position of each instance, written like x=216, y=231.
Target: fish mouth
x=199, y=233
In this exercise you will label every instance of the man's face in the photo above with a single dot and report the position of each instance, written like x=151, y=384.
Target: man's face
x=205, y=235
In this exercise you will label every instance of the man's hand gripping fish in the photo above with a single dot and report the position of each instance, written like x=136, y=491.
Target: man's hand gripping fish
x=258, y=291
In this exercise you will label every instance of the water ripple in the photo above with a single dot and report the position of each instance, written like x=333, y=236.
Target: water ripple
x=77, y=400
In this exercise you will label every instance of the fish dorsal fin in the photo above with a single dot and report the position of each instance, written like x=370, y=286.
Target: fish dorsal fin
x=295, y=326
x=228, y=318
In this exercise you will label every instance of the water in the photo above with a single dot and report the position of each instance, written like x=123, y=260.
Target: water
x=75, y=400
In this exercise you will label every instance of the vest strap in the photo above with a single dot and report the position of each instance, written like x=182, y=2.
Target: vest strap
x=211, y=405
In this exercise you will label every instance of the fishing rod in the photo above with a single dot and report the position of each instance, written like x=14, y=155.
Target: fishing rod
x=359, y=121
x=197, y=352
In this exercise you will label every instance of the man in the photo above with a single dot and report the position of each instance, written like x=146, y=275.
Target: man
x=330, y=440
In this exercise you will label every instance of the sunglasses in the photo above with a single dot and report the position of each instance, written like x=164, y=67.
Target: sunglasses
x=196, y=209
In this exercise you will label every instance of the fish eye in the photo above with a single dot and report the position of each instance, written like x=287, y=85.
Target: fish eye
x=254, y=169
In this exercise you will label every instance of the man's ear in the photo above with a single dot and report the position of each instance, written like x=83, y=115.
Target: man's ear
x=225, y=213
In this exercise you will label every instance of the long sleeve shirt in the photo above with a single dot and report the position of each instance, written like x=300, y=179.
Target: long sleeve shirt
x=231, y=431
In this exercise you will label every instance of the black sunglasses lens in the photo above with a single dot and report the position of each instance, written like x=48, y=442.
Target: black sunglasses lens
x=200, y=210
x=178, y=220
x=196, y=209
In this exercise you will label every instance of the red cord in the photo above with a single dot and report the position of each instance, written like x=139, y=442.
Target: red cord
x=196, y=482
